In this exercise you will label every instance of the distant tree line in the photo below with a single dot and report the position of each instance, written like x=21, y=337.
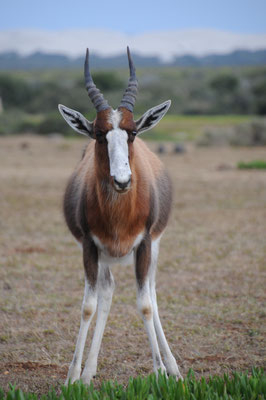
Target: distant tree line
x=30, y=99
x=39, y=60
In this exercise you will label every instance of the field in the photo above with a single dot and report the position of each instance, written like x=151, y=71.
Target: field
x=192, y=127
x=211, y=275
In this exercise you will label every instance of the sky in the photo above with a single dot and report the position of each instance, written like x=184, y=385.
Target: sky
x=150, y=27
x=135, y=16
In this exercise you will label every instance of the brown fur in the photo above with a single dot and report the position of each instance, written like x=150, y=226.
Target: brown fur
x=147, y=313
x=127, y=122
x=101, y=122
x=143, y=259
x=90, y=259
x=87, y=313
x=93, y=207
x=117, y=218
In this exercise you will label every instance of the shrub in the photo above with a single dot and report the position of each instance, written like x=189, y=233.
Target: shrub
x=14, y=91
x=249, y=134
x=224, y=83
x=53, y=122
x=18, y=122
x=257, y=164
x=105, y=81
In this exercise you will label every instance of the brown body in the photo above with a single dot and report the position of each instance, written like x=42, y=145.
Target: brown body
x=93, y=208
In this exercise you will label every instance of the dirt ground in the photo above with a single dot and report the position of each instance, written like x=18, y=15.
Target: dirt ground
x=211, y=274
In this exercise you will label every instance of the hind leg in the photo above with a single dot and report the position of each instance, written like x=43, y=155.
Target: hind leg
x=144, y=299
x=169, y=359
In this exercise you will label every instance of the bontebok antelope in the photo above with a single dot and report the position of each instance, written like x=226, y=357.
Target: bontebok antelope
x=116, y=204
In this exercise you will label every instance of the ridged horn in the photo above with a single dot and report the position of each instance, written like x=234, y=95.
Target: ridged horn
x=94, y=94
x=129, y=98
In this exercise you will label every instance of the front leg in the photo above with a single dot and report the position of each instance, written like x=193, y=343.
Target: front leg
x=89, y=305
x=105, y=293
x=144, y=301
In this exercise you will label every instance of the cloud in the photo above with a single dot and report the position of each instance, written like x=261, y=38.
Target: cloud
x=165, y=44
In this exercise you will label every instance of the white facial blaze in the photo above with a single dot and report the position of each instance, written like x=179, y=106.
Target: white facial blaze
x=118, y=155
x=118, y=150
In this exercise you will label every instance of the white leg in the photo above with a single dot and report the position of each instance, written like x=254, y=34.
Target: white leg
x=145, y=308
x=105, y=293
x=88, y=309
x=142, y=266
x=169, y=359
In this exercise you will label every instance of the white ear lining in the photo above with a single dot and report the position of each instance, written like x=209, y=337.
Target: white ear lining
x=76, y=120
x=152, y=117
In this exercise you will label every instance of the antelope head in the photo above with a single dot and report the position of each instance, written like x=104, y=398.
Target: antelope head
x=114, y=130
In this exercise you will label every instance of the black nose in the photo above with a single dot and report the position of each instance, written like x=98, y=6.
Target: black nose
x=122, y=185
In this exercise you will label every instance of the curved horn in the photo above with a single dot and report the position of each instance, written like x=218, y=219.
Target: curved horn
x=94, y=94
x=129, y=98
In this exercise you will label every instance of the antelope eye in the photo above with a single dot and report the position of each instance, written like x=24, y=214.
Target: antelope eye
x=100, y=136
x=132, y=135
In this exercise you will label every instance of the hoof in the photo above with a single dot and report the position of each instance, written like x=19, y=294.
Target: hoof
x=72, y=376
x=86, y=377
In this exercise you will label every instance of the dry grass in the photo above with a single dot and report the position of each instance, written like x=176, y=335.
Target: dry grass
x=211, y=278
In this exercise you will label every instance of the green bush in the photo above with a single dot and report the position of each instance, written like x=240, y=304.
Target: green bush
x=16, y=121
x=257, y=164
x=104, y=80
x=108, y=80
x=54, y=123
x=15, y=91
x=224, y=83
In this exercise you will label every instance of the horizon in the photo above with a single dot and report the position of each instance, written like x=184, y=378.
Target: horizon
x=163, y=44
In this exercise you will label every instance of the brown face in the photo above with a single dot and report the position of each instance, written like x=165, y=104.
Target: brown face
x=115, y=131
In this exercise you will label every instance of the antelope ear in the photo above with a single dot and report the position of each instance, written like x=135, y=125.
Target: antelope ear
x=76, y=120
x=152, y=117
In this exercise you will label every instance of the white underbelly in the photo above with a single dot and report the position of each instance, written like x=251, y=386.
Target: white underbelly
x=126, y=260
x=105, y=257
